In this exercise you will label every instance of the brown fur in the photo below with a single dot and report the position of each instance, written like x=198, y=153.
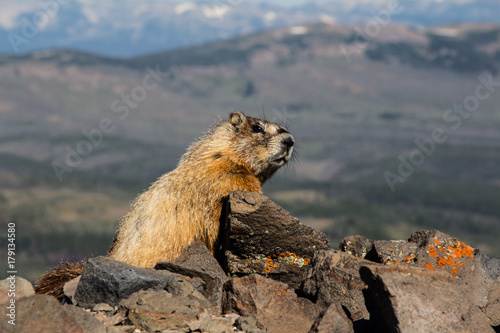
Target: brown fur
x=52, y=283
x=237, y=154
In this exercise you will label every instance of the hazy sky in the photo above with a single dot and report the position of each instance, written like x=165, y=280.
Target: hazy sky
x=278, y=2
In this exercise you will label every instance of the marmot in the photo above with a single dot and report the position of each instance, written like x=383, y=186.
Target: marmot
x=240, y=153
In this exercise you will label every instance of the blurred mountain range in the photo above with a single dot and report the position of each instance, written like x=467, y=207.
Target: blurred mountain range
x=129, y=28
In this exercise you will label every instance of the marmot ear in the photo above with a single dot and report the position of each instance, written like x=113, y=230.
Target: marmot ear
x=236, y=119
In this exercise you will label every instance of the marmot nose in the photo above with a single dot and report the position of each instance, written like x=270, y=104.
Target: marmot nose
x=289, y=141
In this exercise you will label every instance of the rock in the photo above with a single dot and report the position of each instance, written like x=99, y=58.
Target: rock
x=492, y=308
x=105, y=280
x=275, y=307
x=103, y=307
x=492, y=267
x=196, y=256
x=332, y=320
x=261, y=237
x=43, y=313
x=213, y=324
x=132, y=329
x=418, y=300
x=478, y=321
x=211, y=287
x=436, y=251
x=390, y=252
x=160, y=310
x=108, y=319
x=247, y=324
x=197, y=262
x=108, y=315
x=69, y=290
x=334, y=277
x=432, y=250
x=15, y=288
x=356, y=245
x=181, y=287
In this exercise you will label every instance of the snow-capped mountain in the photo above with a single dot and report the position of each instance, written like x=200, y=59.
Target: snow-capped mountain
x=129, y=27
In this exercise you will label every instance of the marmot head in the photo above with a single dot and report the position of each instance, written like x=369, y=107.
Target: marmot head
x=263, y=146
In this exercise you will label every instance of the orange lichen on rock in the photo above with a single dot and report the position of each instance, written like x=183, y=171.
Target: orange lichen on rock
x=429, y=267
x=462, y=249
x=409, y=259
x=450, y=256
x=269, y=264
x=432, y=251
x=288, y=254
x=445, y=261
x=274, y=260
x=454, y=270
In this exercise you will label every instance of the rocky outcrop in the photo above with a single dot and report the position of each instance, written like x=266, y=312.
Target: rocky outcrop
x=278, y=275
x=260, y=237
x=429, y=282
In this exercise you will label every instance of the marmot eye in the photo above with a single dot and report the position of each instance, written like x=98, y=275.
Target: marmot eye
x=257, y=129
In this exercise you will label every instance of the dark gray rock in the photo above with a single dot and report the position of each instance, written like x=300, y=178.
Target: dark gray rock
x=261, y=237
x=334, y=277
x=275, y=307
x=105, y=280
